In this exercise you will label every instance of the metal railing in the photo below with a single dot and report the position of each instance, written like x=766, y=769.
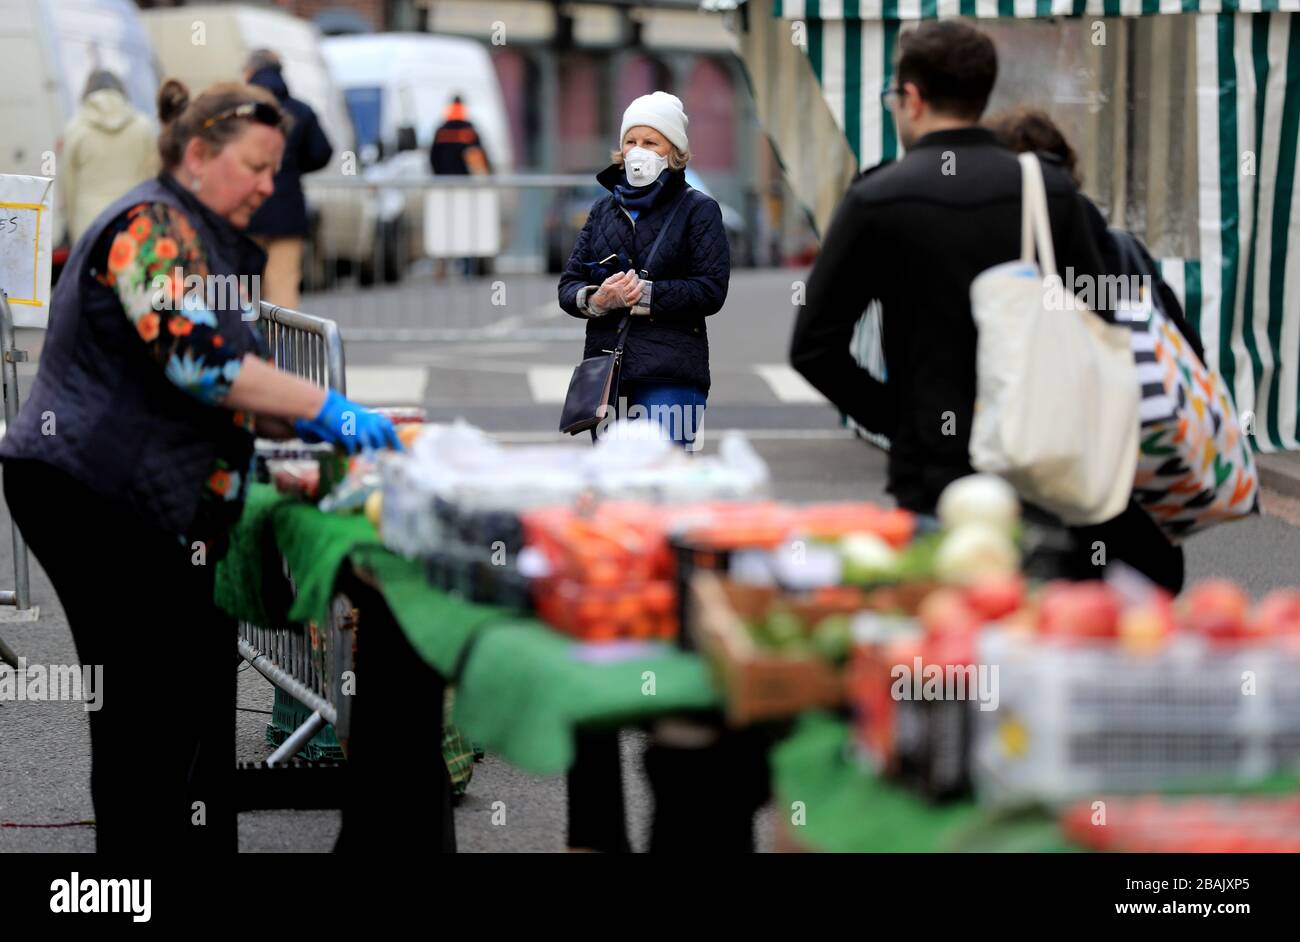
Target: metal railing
x=307, y=346
x=310, y=665
x=419, y=257
x=10, y=356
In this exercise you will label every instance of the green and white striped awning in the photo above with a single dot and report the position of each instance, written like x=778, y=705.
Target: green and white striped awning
x=907, y=10
x=1235, y=228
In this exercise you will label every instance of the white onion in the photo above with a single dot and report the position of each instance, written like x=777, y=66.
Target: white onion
x=979, y=498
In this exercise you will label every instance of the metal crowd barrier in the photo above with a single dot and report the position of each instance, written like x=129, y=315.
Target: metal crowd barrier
x=309, y=665
x=307, y=346
x=443, y=258
x=10, y=356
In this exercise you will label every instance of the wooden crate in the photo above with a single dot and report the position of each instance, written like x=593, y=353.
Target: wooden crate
x=758, y=684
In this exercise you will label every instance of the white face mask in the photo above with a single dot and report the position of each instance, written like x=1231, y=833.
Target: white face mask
x=643, y=166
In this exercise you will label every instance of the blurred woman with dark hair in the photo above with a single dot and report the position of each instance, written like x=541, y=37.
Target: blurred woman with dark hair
x=1133, y=536
x=1030, y=129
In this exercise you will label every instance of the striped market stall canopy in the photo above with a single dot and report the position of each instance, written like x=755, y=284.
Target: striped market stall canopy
x=866, y=10
x=1186, y=116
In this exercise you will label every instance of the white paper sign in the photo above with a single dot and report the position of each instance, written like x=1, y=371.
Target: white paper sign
x=462, y=223
x=26, y=242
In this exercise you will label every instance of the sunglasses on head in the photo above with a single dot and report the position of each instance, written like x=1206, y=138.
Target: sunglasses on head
x=258, y=111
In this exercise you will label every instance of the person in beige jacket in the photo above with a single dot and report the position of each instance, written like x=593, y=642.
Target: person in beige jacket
x=108, y=147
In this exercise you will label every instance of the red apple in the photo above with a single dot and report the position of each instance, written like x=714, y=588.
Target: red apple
x=1078, y=610
x=1278, y=613
x=949, y=648
x=997, y=597
x=944, y=611
x=1148, y=626
x=1216, y=609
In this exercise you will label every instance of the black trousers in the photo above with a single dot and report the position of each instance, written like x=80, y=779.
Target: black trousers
x=163, y=741
x=704, y=797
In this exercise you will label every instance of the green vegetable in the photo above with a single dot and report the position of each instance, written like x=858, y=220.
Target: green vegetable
x=783, y=627
x=917, y=562
x=833, y=637
x=866, y=558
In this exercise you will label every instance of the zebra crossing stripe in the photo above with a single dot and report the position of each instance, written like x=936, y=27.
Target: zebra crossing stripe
x=787, y=384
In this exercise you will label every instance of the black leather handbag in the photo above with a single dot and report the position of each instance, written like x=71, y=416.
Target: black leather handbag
x=594, y=384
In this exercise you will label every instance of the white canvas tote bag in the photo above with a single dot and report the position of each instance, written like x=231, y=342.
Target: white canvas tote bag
x=1056, y=405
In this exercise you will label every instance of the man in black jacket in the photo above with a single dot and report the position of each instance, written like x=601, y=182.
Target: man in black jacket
x=280, y=225
x=913, y=235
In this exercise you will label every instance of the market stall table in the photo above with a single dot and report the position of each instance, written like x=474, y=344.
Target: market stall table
x=524, y=692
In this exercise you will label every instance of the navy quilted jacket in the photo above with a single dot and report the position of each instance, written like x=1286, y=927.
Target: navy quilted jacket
x=689, y=280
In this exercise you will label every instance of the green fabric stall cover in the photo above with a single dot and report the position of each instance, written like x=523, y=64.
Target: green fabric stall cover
x=525, y=688
x=315, y=545
x=438, y=626
x=240, y=574
x=847, y=809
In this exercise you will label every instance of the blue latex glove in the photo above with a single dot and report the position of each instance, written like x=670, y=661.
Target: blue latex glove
x=342, y=422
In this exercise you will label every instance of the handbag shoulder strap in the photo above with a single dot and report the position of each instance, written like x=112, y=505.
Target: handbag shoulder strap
x=654, y=247
x=1035, y=223
x=668, y=221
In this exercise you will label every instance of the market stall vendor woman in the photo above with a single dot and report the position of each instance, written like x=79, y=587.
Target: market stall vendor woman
x=129, y=461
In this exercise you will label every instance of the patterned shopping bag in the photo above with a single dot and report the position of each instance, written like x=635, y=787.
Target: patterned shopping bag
x=1195, y=466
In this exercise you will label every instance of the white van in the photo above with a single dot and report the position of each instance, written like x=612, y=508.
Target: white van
x=209, y=43
x=397, y=80
x=397, y=86
x=48, y=48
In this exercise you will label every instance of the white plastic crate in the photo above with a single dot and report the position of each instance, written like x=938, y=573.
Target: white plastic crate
x=1079, y=720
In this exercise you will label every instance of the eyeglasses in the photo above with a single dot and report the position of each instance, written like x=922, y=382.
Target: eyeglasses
x=258, y=111
x=889, y=97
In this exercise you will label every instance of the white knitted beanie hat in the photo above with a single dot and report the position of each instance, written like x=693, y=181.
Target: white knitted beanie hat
x=661, y=111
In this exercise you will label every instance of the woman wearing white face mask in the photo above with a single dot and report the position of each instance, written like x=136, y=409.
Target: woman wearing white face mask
x=611, y=279
x=652, y=257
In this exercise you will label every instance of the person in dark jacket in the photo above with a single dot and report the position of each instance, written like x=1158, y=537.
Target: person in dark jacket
x=665, y=377
x=456, y=148
x=281, y=224
x=665, y=369
x=130, y=459
x=913, y=235
x=1138, y=540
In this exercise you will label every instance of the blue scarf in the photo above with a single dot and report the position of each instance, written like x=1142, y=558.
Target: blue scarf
x=637, y=199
